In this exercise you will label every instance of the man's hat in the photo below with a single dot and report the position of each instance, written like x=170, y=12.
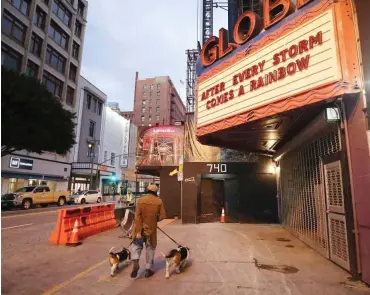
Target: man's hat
x=152, y=188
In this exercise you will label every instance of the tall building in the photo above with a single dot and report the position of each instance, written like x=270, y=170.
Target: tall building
x=44, y=39
x=157, y=102
x=90, y=110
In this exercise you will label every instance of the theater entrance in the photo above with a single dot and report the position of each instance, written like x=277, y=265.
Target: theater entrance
x=244, y=198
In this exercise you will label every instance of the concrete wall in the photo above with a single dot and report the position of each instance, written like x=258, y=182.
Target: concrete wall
x=358, y=136
x=40, y=166
x=84, y=116
x=112, y=140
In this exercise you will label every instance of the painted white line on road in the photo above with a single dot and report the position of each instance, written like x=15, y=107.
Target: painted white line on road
x=16, y=226
x=28, y=214
x=57, y=288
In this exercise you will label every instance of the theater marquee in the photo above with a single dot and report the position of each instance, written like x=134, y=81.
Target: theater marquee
x=298, y=57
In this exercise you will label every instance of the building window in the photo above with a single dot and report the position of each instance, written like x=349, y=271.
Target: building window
x=55, y=59
x=32, y=69
x=158, y=101
x=70, y=96
x=150, y=118
x=88, y=101
x=105, y=155
x=157, y=110
x=150, y=110
x=151, y=87
x=157, y=117
x=62, y=12
x=99, y=108
x=158, y=93
x=36, y=45
x=72, y=72
x=144, y=86
x=94, y=105
x=158, y=86
x=80, y=9
x=39, y=18
x=13, y=28
x=112, y=159
x=10, y=59
x=143, y=110
x=144, y=102
x=53, y=84
x=58, y=35
x=75, y=50
x=92, y=128
x=22, y=5
x=142, y=118
x=78, y=29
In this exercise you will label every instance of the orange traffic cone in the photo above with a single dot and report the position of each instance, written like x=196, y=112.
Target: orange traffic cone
x=222, y=216
x=75, y=237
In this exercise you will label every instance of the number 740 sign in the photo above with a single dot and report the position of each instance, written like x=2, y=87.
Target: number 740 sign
x=217, y=168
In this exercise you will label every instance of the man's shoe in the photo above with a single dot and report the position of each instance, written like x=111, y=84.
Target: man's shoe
x=135, y=269
x=149, y=273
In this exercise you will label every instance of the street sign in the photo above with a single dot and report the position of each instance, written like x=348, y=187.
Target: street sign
x=180, y=176
x=181, y=163
x=172, y=173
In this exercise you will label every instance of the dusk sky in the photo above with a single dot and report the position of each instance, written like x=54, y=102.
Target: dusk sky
x=125, y=36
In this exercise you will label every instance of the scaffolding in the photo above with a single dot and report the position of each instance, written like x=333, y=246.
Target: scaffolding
x=192, y=55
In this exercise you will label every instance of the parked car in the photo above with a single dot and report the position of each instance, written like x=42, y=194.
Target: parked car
x=87, y=196
x=7, y=201
x=28, y=196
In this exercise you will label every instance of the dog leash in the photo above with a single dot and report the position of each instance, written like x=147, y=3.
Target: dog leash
x=169, y=237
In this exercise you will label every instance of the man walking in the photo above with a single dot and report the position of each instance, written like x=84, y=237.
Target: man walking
x=149, y=210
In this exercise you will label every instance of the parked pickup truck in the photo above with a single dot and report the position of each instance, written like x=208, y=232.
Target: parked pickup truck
x=28, y=196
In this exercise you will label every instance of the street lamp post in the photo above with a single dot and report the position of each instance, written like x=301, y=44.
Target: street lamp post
x=90, y=145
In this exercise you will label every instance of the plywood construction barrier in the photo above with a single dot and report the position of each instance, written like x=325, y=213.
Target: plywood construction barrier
x=91, y=220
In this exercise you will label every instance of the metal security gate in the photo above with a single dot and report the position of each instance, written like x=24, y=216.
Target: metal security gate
x=336, y=213
x=312, y=196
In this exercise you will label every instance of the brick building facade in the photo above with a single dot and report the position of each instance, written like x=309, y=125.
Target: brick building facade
x=157, y=102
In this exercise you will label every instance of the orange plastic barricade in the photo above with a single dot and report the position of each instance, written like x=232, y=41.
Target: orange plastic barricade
x=91, y=221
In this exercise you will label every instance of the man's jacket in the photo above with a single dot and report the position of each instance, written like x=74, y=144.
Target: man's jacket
x=149, y=210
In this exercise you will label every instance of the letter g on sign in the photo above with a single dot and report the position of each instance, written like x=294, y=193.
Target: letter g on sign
x=209, y=53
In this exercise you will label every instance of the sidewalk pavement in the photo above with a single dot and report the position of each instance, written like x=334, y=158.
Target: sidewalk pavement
x=228, y=259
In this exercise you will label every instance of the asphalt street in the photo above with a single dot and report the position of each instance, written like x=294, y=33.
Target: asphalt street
x=225, y=259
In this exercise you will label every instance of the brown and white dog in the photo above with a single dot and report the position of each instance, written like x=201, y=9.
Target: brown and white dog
x=176, y=258
x=118, y=257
